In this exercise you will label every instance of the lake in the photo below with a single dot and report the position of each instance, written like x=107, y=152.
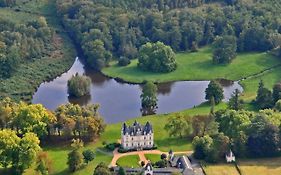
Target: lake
x=121, y=101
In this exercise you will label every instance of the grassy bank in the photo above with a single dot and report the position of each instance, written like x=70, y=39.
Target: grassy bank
x=58, y=59
x=198, y=66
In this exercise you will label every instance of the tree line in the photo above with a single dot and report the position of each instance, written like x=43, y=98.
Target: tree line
x=116, y=29
x=24, y=126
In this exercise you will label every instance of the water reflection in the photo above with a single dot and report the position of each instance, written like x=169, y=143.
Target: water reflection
x=120, y=101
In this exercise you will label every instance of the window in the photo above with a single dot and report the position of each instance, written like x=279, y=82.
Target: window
x=149, y=143
x=132, y=138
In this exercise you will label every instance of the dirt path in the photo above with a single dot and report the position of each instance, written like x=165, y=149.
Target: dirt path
x=141, y=154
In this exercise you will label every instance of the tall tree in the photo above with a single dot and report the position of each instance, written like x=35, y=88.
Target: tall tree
x=234, y=102
x=264, y=97
x=157, y=57
x=225, y=49
x=276, y=94
x=149, y=98
x=178, y=126
x=214, y=90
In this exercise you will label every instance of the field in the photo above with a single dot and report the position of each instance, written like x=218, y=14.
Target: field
x=265, y=166
x=221, y=169
x=270, y=166
x=129, y=161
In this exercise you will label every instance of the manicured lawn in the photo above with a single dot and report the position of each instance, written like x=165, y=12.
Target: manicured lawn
x=270, y=166
x=220, y=169
x=129, y=161
x=198, y=66
x=153, y=157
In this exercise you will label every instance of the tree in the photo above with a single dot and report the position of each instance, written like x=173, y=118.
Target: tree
x=88, y=155
x=263, y=138
x=121, y=171
x=264, y=97
x=225, y=49
x=32, y=118
x=177, y=126
x=215, y=90
x=204, y=125
x=234, y=102
x=157, y=57
x=43, y=164
x=102, y=169
x=149, y=98
x=97, y=55
x=202, y=146
x=79, y=86
x=75, y=160
x=19, y=153
x=276, y=94
x=232, y=122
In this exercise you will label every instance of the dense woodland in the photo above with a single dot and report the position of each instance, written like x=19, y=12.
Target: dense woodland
x=107, y=29
x=21, y=43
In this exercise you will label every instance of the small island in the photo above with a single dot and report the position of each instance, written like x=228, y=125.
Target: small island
x=79, y=86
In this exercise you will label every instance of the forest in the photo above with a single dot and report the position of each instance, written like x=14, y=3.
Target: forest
x=117, y=29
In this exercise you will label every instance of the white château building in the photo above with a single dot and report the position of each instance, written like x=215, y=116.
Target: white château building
x=137, y=136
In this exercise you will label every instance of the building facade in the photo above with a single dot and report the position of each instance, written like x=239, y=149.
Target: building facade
x=137, y=136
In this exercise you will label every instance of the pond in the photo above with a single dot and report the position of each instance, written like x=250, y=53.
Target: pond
x=121, y=101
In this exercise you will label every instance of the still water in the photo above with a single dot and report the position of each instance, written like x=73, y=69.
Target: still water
x=120, y=101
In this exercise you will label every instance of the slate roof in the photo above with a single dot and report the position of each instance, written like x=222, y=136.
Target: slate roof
x=137, y=129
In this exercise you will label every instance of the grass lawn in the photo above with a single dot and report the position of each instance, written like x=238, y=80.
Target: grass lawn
x=153, y=157
x=220, y=169
x=129, y=161
x=270, y=166
x=251, y=85
x=198, y=66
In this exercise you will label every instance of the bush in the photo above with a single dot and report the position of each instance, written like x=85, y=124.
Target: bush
x=79, y=86
x=112, y=146
x=161, y=164
x=163, y=156
x=88, y=155
x=124, y=61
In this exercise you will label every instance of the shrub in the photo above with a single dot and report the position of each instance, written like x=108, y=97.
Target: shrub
x=88, y=155
x=124, y=61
